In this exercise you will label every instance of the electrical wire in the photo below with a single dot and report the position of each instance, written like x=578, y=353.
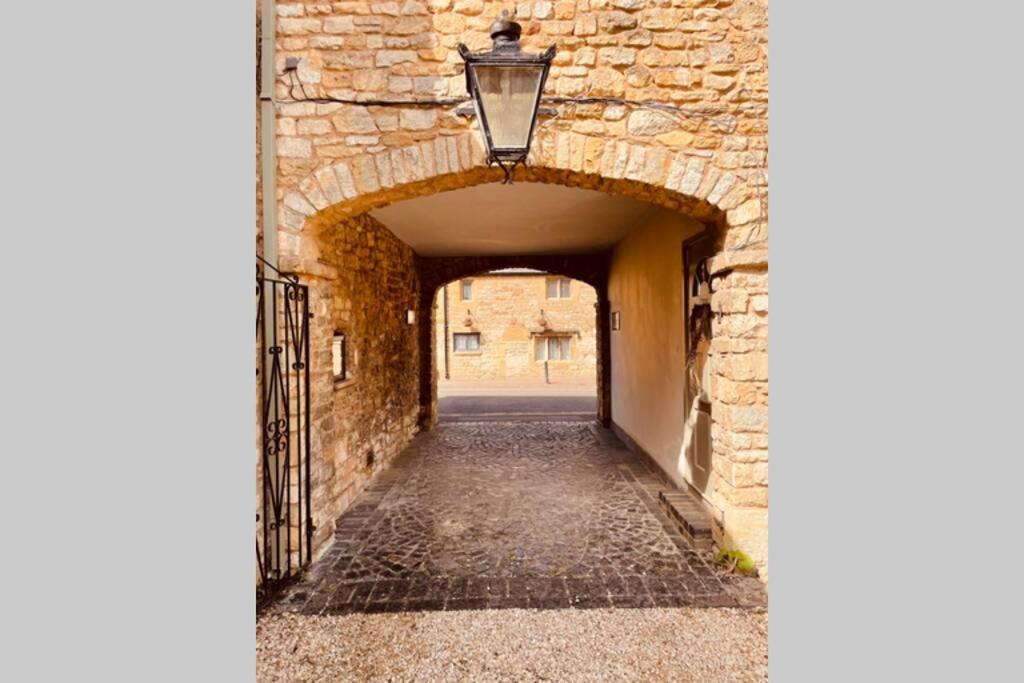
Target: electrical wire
x=296, y=82
x=706, y=110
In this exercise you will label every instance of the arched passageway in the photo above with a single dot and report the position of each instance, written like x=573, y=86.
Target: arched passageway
x=519, y=513
x=375, y=259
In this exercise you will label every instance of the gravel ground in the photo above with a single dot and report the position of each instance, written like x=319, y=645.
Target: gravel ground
x=657, y=644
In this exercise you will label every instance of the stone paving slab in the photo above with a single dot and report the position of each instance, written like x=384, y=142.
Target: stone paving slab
x=495, y=515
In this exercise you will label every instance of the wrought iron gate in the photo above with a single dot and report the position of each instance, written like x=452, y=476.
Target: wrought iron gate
x=284, y=531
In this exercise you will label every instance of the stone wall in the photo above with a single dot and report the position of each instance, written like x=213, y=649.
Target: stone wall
x=739, y=384
x=705, y=54
x=707, y=161
x=365, y=292
x=505, y=310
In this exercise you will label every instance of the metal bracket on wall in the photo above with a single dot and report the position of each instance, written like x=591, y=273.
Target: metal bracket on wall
x=508, y=166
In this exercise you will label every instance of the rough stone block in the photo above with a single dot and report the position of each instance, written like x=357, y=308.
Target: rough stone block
x=294, y=147
x=342, y=24
x=417, y=119
x=745, y=213
x=648, y=122
x=354, y=119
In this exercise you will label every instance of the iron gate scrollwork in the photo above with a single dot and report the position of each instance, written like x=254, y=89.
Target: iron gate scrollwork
x=284, y=523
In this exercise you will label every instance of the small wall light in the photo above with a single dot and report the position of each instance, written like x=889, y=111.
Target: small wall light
x=410, y=317
x=616, y=321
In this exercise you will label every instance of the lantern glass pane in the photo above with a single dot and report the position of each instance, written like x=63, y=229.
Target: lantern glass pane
x=508, y=96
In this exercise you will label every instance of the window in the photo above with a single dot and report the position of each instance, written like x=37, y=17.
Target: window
x=553, y=348
x=559, y=288
x=466, y=287
x=616, y=321
x=466, y=341
x=338, y=352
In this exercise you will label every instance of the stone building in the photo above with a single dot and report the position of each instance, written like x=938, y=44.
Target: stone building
x=656, y=158
x=510, y=323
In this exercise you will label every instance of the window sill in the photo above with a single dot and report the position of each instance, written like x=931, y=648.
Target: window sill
x=467, y=353
x=344, y=383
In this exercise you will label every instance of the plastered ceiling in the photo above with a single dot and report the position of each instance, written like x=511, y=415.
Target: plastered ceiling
x=522, y=218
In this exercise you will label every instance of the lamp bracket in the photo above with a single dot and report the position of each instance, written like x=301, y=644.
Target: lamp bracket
x=507, y=165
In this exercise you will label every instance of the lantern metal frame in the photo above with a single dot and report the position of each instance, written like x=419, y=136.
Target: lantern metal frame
x=505, y=52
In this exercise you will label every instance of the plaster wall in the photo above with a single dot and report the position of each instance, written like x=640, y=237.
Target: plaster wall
x=648, y=352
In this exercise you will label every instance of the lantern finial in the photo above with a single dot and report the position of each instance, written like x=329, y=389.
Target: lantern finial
x=504, y=31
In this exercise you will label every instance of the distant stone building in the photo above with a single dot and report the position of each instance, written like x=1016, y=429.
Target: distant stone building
x=509, y=324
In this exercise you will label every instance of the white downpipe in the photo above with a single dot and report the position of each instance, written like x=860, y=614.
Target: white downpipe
x=268, y=142
x=268, y=26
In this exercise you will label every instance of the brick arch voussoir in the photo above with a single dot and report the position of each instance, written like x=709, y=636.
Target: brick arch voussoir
x=679, y=180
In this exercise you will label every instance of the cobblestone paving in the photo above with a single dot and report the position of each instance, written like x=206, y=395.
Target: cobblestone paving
x=518, y=514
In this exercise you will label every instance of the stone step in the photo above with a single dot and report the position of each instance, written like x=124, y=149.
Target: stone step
x=689, y=516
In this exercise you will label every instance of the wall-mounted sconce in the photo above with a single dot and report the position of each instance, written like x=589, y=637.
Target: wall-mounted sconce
x=410, y=317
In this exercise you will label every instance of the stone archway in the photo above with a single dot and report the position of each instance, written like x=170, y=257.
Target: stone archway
x=682, y=181
x=435, y=272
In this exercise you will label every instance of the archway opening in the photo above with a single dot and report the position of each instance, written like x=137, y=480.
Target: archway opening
x=516, y=344
x=552, y=241
x=386, y=270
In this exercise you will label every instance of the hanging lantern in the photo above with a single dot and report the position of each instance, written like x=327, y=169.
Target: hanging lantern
x=506, y=85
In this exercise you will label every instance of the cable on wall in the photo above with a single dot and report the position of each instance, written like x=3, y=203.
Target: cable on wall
x=707, y=110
